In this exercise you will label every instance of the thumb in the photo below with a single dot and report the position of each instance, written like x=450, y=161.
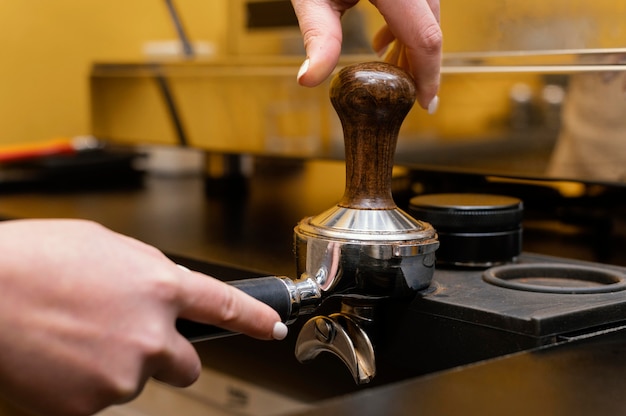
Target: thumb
x=320, y=25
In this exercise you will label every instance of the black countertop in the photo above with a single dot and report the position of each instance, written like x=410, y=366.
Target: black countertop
x=583, y=378
x=252, y=230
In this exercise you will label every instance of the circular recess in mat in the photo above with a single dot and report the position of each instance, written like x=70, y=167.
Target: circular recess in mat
x=556, y=278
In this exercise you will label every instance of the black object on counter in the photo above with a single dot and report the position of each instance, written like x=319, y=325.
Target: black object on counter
x=476, y=230
x=92, y=169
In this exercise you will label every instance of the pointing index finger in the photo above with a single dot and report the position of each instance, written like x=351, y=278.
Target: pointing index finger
x=210, y=301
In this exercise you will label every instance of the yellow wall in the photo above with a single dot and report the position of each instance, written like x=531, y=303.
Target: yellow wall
x=528, y=24
x=47, y=48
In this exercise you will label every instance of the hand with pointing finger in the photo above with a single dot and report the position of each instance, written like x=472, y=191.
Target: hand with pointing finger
x=88, y=316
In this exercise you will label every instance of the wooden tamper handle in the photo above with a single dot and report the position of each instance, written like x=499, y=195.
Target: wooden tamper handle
x=371, y=100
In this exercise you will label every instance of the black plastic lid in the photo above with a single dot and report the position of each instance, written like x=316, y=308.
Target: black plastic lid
x=468, y=212
x=475, y=230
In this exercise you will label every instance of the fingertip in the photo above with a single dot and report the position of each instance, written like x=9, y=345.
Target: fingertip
x=429, y=103
x=428, y=99
x=321, y=60
x=433, y=105
x=192, y=376
x=304, y=68
x=280, y=331
x=182, y=380
x=320, y=25
x=180, y=366
x=313, y=72
x=427, y=88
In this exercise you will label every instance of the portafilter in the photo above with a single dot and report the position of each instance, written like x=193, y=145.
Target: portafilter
x=362, y=250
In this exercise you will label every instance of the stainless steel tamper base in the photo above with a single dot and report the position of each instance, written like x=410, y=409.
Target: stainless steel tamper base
x=375, y=225
x=342, y=245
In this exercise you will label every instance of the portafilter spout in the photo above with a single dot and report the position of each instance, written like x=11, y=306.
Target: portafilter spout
x=365, y=248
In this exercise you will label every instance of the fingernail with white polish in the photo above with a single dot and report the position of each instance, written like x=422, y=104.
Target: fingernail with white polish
x=433, y=105
x=303, y=68
x=180, y=266
x=280, y=331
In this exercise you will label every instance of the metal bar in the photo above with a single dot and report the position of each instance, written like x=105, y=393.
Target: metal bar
x=180, y=30
x=170, y=103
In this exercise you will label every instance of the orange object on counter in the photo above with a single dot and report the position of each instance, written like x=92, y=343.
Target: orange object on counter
x=25, y=151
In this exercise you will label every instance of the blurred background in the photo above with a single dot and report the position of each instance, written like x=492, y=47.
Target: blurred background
x=75, y=68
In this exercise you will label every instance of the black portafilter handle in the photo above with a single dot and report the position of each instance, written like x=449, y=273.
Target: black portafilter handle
x=280, y=293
